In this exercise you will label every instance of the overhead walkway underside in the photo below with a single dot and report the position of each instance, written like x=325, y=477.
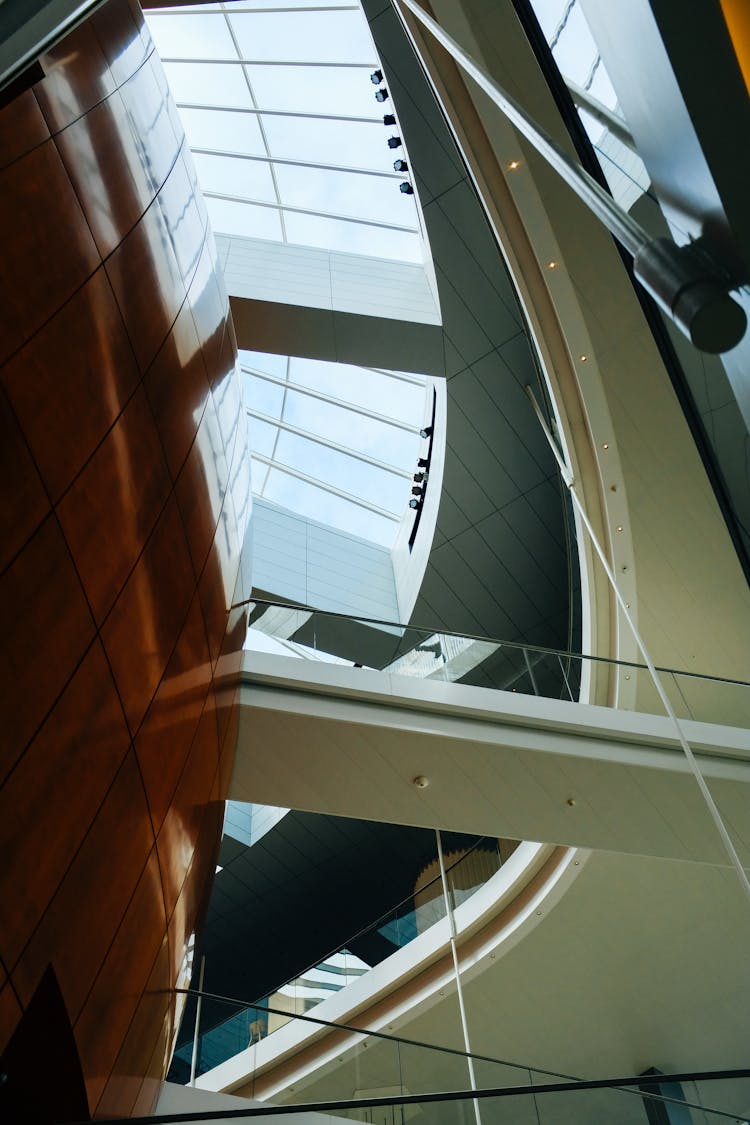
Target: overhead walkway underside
x=351, y=742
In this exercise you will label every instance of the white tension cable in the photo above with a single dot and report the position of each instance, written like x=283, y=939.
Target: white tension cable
x=687, y=750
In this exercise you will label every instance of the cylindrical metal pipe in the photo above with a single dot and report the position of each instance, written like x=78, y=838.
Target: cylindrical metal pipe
x=685, y=285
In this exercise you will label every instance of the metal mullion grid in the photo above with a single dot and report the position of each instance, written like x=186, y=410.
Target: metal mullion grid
x=401, y=376
x=310, y=211
x=169, y=11
x=281, y=113
x=316, y=483
x=308, y=435
x=312, y=392
x=294, y=163
x=285, y=383
x=259, y=119
x=271, y=62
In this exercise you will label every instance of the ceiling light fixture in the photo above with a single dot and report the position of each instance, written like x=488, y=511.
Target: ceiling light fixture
x=552, y=265
x=376, y=77
x=426, y=432
x=406, y=188
x=514, y=164
x=394, y=142
x=381, y=94
x=389, y=118
x=400, y=166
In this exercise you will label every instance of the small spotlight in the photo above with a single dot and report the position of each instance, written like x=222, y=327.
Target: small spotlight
x=514, y=164
x=583, y=358
x=419, y=477
x=376, y=77
x=405, y=188
x=416, y=490
x=394, y=142
x=381, y=94
x=552, y=265
x=423, y=463
x=389, y=118
x=426, y=432
x=400, y=166
x=415, y=504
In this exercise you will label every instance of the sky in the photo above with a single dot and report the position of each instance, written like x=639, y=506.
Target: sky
x=282, y=193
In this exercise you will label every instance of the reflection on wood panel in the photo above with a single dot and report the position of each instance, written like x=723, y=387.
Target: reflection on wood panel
x=124, y=499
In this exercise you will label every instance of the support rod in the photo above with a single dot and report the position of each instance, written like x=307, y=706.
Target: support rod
x=685, y=281
x=687, y=750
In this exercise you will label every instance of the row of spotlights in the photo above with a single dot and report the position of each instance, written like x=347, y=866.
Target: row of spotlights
x=393, y=142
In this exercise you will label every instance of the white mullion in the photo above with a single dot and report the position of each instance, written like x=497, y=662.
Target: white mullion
x=316, y=483
x=299, y=163
x=264, y=138
x=310, y=211
x=308, y=435
x=272, y=62
x=281, y=113
x=312, y=392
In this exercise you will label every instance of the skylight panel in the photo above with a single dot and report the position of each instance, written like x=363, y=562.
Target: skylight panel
x=309, y=37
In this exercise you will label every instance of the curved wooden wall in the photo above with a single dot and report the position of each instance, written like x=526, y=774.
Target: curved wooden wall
x=125, y=486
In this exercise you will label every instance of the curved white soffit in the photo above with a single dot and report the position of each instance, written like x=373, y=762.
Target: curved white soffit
x=409, y=566
x=488, y=924
x=521, y=223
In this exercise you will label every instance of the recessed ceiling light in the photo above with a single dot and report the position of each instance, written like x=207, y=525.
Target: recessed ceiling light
x=514, y=164
x=552, y=265
x=583, y=358
x=420, y=781
x=605, y=445
x=619, y=527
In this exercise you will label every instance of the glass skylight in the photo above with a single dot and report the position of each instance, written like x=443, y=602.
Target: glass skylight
x=336, y=443
x=287, y=136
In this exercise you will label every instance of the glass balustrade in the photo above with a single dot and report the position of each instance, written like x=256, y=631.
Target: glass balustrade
x=422, y=653
x=249, y=1024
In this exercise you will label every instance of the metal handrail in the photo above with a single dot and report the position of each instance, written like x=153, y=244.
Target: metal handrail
x=439, y=629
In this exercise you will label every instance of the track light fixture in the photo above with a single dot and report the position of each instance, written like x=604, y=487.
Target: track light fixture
x=419, y=477
x=394, y=142
x=426, y=432
x=415, y=504
x=400, y=166
x=381, y=94
x=416, y=490
x=389, y=118
x=407, y=189
x=376, y=77
x=423, y=463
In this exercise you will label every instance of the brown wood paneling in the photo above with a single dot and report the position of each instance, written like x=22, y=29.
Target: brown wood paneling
x=78, y=927
x=118, y=491
x=123, y=37
x=146, y=280
x=146, y=620
x=177, y=428
x=22, y=127
x=45, y=628
x=113, y=505
x=169, y=728
x=51, y=382
x=77, y=76
x=112, y=1002
x=48, y=226
x=101, y=158
x=148, y=1030
x=87, y=728
x=201, y=486
x=23, y=501
x=179, y=833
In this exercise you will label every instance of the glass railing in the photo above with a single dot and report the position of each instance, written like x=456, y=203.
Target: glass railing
x=485, y=662
x=384, y=1079
x=297, y=997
